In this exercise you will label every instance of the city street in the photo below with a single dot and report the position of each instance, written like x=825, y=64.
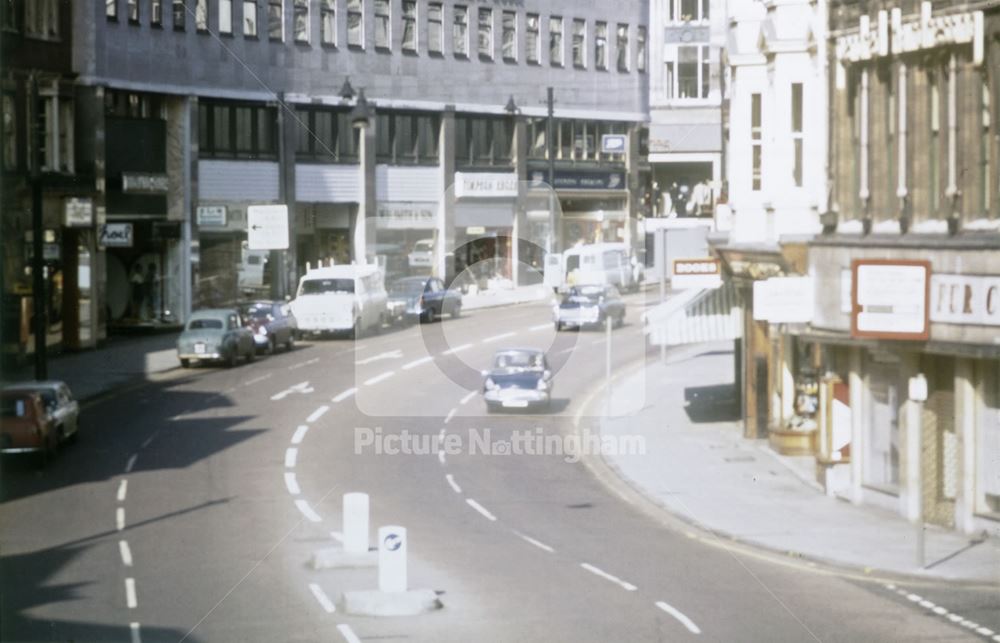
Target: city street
x=192, y=508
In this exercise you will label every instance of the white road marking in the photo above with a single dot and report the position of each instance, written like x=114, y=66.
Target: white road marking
x=497, y=338
x=417, y=362
x=929, y=605
x=257, y=379
x=305, y=363
x=147, y=441
x=120, y=518
x=134, y=629
x=452, y=351
x=676, y=613
x=536, y=543
x=440, y=456
x=130, y=599
x=323, y=599
x=307, y=511
x=481, y=509
x=318, y=413
x=629, y=587
x=454, y=485
x=540, y=327
x=450, y=415
x=131, y=462
x=301, y=387
x=914, y=598
x=940, y=611
x=566, y=350
x=122, y=490
x=126, y=553
x=396, y=354
x=291, y=455
x=379, y=378
x=348, y=633
x=292, y=484
x=346, y=394
x=336, y=535
x=300, y=433
x=985, y=631
x=468, y=397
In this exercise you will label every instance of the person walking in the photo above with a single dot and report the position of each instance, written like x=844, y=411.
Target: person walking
x=137, y=283
x=152, y=294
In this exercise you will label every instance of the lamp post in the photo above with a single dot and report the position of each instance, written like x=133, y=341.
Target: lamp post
x=512, y=111
x=361, y=116
x=550, y=153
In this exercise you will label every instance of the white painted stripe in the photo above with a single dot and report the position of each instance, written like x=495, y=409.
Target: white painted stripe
x=536, y=543
x=929, y=605
x=540, y=327
x=291, y=455
x=323, y=599
x=336, y=535
x=134, y=629
x=497, y=338
x=122, y=490
x=997, y=638
x=147, y=441
x=676, y=613
x=468, y=397
x=346, y=394
x=318, y=413
x=890, y=587
x=305, y=363
x=257, y=379
x=120, y=518
x=940, y=611
x=307, y=511
x=454, y=485
x=450, y=415
x=126, y=553
x=379, y=378
x=130, y=599
x=629, y=587
x=969, y=624
x=348, y=633
x=955, y=618
x=481, y=509
x=417, y=362
x=131, y=462
x=300, y=433
x=914, y=598
x=440, y=456
x=452, y=351
x=985, y=631
x=292, y=484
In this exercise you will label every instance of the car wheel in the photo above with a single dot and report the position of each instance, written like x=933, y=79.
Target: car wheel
x=185, y=363
x=252, y=354
x=290, y=344
x=47, y=453
x=456, y=312
x=232, y=357
x=431, y=315
x=620, y=321
x=357, y=331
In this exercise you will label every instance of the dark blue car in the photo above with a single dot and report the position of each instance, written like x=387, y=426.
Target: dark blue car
x=424, y=299
x=520, y=378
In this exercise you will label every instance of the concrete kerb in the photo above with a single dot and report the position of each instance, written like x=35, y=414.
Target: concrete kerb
x=611, y=476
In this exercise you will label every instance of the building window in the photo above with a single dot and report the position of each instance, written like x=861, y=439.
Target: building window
x=985, y=146
x=509, y=36
x=756, y=139
x=41, y=19
x=640, y=50
x=180, y=14
x=483, y=140
x=201, y=15
x=692, y=78
x=460, y=31
x=56, y=122
x=110, y=8
x=301, y=23
x=328, y=22
x=622, y=47
x=687, y=10
x=556, y=41
x=325, y=135
x=409, y=25
x=250, y=18
x=156, y=12
x=132, y=7
x=601, y=46
x=485, y=33
x=934, y=160
x=9, y=149
x=532, y=41
x=435, y=28
x=355, y=24
x=890, y=135
x=236, y=130
x=797, y=135
x=579, y=43
x=226, y=16
x=383, y=30
x=275, y=20
x=407, y=138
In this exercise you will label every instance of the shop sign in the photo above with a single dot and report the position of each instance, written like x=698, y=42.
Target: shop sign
x=475, y=229
x=965, y=299
x=583, y=180
x=613, y=143
x=889, y=299
x=700, y=272
x=406, y=216
x=145, y=182
x=784, y=300
x=211, y=215
x=78, y=213
x=115, y=235
x=485, y=185
x=267, y=227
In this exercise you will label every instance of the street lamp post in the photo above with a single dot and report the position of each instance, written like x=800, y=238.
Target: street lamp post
x=550, y=153
x=361, y=116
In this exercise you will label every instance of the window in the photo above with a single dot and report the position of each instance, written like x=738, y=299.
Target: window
x=110, y=9
x=409, y=25
x=383, y=33
x=180, y=14
x=133, y=11
x=228, y=130
x=156, y=12
x=485, y=32
x=355, y=24
x=41, y=18
x=460, y=31
x=531, y=39
x=935, y=151
x=226, y=16
x=275, y=20
x=890, y=132
x=579, y=43
x=622, y=47
x=687, y=10
x=250, y=18
x=640, y=49
x=301, y=8
x=483, y=140
x=403, y=137
x=797, y=117
x=56, y=122
x=601, y=46
x=509, y=35
x=201, y=15
x=325, y=135
x=985, y=169
x=435, y=28
x=756, y=139
x=556, y=41
x=9, y=149
x=328, y=22
x=537, y=147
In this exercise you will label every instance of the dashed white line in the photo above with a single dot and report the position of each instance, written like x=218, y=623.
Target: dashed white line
x=323, y=599
x=318, y=413
x=450, y=415
x=130, y=599
x=628, y=587
x=291, y=456
x=454, y=485
x=540, y=327
x=122, y=490
x=417, y=362
x=441, y=456
x=680, y=616
x=257, y=379
x=468, y=397
x=126, y=553
x=497, y=338
x=985, y=631
x=147, y=441
x=346, y=394
x=537, y=543
x=305, y=363
x=452, y=351
x=307, y=511
x=300, y=433
x=134, y=629
x=120, y=518
x=481, y=509
x=301, y=387
x=131, y=462
x=940, y=611
x=348, y=633
x=379, y=378
x=292, y=484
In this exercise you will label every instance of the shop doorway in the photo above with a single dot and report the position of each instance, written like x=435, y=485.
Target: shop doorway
x=939, y=455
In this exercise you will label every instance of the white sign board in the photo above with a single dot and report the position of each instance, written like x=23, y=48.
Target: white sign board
x=613, y=143
x=485, y=185
x=784, y=300
x=406, y=216
x=700, y=272
x=965, y=299
x=211, y=215
x=78, y=212
x=267, y=227
x=890, y=299
x=392, y=559
x=115, y=235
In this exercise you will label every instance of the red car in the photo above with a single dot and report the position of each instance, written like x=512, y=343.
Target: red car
x=25, y=427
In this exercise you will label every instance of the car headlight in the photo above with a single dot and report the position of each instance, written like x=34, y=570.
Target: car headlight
x=542, y=385
x=490, y=384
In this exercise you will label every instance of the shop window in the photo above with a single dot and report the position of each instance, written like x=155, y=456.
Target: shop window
x=250, y=18
x=275, y=20
x=622, y=47
x=355, y=24
x=797, y=134
x=460, y=30
x=409, y=25
x=179, y=14
x=226, y=16
x=201, y=15
x=485, y=33
x=579, y=43
x=301, y=25
x=509, y=36
x=532, y=41
x=881, y=458
x=156, y=13
x=556, y=41
x=601, y=46
x=41, y=19
x=988, y=447
x=239, y=130
x=328, y=22
x=383, y=29
x=435, y=28
x=9, y=124
x=640, y=49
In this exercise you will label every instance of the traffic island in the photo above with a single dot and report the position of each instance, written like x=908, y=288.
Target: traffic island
x=376, y=603
x=339, y=558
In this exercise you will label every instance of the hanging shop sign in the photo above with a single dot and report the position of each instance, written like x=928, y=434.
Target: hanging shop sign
x=582, y=179
x=211, y=215
x=890, y=299
x=78, y=212
x=116, y=235
x=699, y=272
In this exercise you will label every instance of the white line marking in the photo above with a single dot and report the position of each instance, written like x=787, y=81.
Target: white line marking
x=417, y=362
x=985, y=631
x=130, y=599
x=301, y=387
x=300, y=433
x=291, y=455
x=122, y=490
x=346, y=394
x=676, y=613
x=497, y=338
x=396, y=354
x=318, y=413
x=348, y=633
x=940, y=611
x=452, y=351
x=440, y=456
x=323, y=599
x=307, y=511
x=292, y=484
x=536, y=543
x=120, y=518
x=336, y=535
x=450, y=415
x=566, y=350
x=540, y=327
x=468, y=397
x=914, y=598
x=147, y=441
x=305, y=363
x=125, y=552
x=481, y=509
x=954, y=618
x=629, y=587
x=131, y=462
x=927, y=604
x=257, y=379
x=454, y=485
x=379, y=378
x=134, y=628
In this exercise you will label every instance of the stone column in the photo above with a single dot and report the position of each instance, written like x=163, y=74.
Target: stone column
x=444, y=257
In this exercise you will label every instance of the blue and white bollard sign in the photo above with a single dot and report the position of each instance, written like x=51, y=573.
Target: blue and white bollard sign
x=392, y=559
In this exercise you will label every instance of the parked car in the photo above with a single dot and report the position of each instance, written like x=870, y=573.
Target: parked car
x=424, y=298
x=25, y=425
x=63, y=410
x=422, y=254
x=596, y=264
x=589, y=306
x=215, y=334
x=519, y=378
x=347, y=298
x=272, y=324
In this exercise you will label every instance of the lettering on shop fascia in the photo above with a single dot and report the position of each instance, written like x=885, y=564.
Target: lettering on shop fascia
x=965, y=299
x=139, y=182
x=900, y=37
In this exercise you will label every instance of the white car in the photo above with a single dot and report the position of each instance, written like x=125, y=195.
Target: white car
x=422, y=255
x=340, y=299
x=62, y=409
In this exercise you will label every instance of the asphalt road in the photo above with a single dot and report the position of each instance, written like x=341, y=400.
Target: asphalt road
x=191, y=509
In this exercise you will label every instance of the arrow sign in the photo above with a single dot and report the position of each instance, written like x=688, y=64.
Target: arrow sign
x=396, y=354
x=267, y=227
x=301, y=387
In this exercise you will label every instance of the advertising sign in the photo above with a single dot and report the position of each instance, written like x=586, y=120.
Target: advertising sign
x=613, y=143
x=965, y=299
x=115, y=235
x=700, y=272
x=582, y=179
x=78, y=212
x=267, y=227
x=890, y=299
x=406, y=216
x=784, y=300
x=485, y=185
x=145, y=182
x=211, y=215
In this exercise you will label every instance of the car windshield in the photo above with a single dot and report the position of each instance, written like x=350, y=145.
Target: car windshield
x=519, y=360
x=323, y=286
x=257, y=312
x=205, y=323
x=407, y=287
x=13, y=406
x=585, y=293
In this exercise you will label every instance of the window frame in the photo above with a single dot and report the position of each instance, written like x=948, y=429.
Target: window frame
x=201, y=16
x=484, y=29
x=328, y=23
x=9, y=147
x=460, y=30
x=557, y=35
x=225, y=26
x=256, y=20
x=280, y=23
x=622, y=46
x=111, y=10
x=382, y=15
x=532, y=52
x=578, y=49
x=259, y=113
x=411, y=22
x=300, y=9
x=640, y=49
x=756, y=141
x=797, y=129
x=179, y=14
x=132, y=11
x=601, y=53
x=156, y=13
x=356, y=9
x=508, y=27
x=435, y=25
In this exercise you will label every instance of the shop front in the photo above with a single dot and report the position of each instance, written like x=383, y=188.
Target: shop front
x=406, y=235
x=593, y=204
x=486, y=222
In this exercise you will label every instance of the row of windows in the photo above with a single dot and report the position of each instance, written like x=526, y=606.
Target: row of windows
x=236, y=130
x=588, y=41
x=55, y=122
x=36, y=18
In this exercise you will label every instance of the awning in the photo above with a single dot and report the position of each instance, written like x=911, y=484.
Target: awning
x=696, y=316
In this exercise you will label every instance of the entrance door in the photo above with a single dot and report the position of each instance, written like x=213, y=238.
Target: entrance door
x=939, y=454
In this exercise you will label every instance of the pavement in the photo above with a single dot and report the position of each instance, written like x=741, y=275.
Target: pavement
x=698, y=467
x=505, y=297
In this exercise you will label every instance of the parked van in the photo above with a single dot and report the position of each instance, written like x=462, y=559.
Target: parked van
x=338, y=299
x=597, y=264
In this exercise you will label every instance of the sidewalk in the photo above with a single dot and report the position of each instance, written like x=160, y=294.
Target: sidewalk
x=506, y=297
x=698, y=467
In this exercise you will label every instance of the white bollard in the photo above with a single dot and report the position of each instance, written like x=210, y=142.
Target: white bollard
x=391, y=559
x=355, y=523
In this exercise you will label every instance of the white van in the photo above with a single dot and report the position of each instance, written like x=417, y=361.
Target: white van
x=341, y=299
x=597, y=264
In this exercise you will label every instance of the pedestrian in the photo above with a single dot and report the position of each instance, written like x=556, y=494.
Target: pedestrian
x=151, y=286
x=136, y=283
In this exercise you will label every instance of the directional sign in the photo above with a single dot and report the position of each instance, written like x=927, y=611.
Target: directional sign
x=267, y=227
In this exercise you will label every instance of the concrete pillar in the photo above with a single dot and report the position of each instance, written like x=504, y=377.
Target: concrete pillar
x=910, y=495
x=89, y=132
x=444, y=257
x=967, y=399
x=287, y=273
x=856, y=384
x=363, y=242
x=521, y=169
x=634, y=198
